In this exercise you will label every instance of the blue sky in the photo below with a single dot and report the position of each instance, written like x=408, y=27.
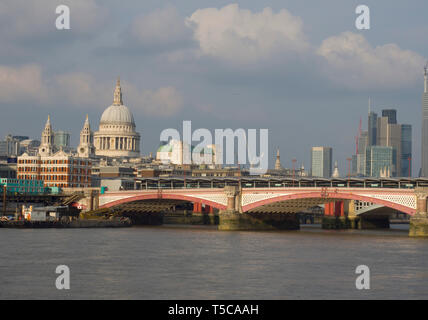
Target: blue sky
x=299, y=68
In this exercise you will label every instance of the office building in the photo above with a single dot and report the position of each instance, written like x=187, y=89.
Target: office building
x=9, y=147
x=321, y=160
x=62, y=139
x=372, y=129
x=57, y=170
x=391, y=115
x=406, y=150
x=379, y=160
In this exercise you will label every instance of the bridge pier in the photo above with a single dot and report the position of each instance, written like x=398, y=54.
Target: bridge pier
x=419, y=222
x=337, y=216
x=342, y=215
x=257, y=221
x=233, y=219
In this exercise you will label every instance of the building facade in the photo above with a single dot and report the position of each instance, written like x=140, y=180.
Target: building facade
x=31, y=187
x=10, y=146
x=57, y=170
x=321, y=159
x=379, y=161
x=406, y=150
x=372, y=128
x=389, y=135
x=61, y=139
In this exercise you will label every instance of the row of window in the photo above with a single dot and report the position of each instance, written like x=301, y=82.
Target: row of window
x=54, y=169
x=76, y=162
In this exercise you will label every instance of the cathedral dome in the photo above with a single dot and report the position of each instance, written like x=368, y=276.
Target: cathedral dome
x=116, y=136
x=117, y=114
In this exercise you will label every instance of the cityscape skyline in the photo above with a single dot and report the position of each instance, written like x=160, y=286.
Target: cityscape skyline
x=164, y=87
x=382, y=131
x=213, y=149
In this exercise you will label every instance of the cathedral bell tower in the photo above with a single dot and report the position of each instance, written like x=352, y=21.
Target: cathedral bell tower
x=86, y=147
x=47, y=145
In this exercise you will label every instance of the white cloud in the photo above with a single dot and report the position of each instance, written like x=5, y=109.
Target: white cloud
x=164, y=102
x=160, y=27
x=239, y=35
x=353, y=62
x=22, y=84
x=81, y=90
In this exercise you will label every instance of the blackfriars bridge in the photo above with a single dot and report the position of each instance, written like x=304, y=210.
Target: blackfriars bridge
x=250, y=203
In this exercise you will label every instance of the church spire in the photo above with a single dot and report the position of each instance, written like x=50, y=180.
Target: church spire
x=117, y=101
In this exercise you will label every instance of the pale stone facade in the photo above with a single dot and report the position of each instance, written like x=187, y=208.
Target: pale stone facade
x=116, y=136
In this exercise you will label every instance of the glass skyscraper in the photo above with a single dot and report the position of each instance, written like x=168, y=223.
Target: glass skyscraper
x=62, y=139
x=378, y=159
x=372, y=128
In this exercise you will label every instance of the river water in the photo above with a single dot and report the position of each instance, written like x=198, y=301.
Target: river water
x=172, y=262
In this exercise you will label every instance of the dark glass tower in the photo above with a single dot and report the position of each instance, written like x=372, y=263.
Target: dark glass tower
x=391, y=114
x=406, y=150
x=372, y=128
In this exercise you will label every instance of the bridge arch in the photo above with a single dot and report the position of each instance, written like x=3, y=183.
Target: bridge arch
x=170, y=196
x=332, y=196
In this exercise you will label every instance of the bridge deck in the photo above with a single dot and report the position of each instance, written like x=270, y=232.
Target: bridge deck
x=276, y=182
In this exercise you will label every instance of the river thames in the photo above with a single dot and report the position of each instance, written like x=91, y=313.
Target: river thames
x=173, y=262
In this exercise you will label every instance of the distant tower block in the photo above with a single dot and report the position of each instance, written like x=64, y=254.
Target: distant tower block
x=278, y=161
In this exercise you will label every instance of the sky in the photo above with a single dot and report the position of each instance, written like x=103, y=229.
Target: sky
x=298, y=68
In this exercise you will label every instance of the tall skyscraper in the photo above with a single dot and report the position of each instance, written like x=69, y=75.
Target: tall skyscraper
x=406, y=150
x=424, y=163
x=372, y=127
x=391, y=114
x=321, y=160
x=389, y=135
x=360, y=158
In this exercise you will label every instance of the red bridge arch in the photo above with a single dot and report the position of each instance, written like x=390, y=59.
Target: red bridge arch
x=161, y=196
x=332, y=196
